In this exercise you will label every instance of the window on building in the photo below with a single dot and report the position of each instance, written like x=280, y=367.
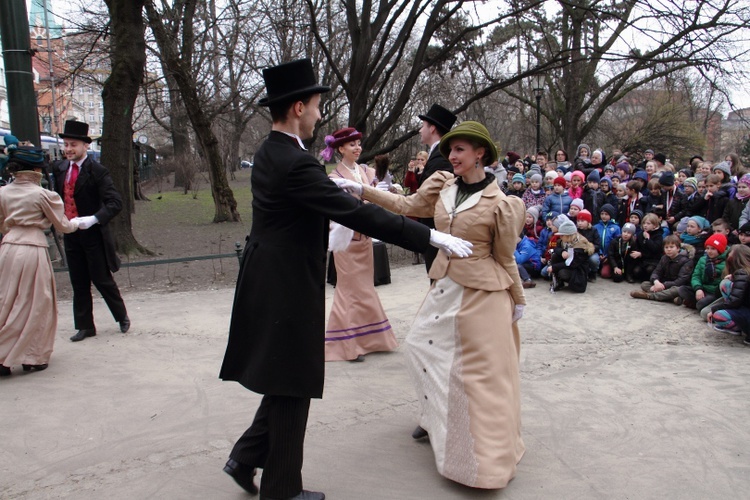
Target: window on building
x=91, y=90
x=92, y=117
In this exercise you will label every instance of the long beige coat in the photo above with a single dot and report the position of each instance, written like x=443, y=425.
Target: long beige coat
x=28, y=305
x=463, y=346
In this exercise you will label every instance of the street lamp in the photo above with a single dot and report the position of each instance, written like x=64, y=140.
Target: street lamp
x=538, y=87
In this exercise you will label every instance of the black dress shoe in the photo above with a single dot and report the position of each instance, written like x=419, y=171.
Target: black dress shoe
x=82, y=334
x=303, y=495
x=4, y=371
x=419, y=433
x=358, y=359
x=35, y=368
x=125, y=325
x=243, y=475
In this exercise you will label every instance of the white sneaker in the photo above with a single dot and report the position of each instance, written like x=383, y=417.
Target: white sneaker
x=727, y=330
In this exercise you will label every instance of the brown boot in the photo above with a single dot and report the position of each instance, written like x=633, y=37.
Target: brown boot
x=639, y=294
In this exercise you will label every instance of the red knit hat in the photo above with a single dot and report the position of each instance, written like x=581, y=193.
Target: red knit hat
x=559, y=180
x=718, y=241
x=585, y=215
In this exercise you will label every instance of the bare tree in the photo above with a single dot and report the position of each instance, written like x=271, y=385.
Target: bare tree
x=177, y=54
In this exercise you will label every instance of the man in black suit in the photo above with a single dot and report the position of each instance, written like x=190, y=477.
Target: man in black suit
x=277, y=329
x=88, y=193
x=435, y=124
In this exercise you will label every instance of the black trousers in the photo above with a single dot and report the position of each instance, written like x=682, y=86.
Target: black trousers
x=275, y=443
x=87, y=264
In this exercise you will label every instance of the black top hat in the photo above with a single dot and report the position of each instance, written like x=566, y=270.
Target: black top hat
x=440, y=117
x=289, y=81
x=76, y=130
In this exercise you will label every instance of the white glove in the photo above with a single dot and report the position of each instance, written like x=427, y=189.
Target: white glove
x=349, y=186
x=86, y=221
x=450, y=244
x=518, y=312
x=383, y=186
x=339, y=237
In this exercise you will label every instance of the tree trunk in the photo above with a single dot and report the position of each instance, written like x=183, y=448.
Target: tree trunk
x=127, y=58
x=177, y=63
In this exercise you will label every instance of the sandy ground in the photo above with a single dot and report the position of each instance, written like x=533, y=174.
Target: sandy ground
x=621, y=399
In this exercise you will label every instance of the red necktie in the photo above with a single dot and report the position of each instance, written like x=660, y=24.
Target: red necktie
x=70, y=204
x=73, y=174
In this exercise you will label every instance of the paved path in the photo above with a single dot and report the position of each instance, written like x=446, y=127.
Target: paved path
x=621, y=399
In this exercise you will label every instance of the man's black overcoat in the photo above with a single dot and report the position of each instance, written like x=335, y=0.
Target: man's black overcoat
x=277, y=328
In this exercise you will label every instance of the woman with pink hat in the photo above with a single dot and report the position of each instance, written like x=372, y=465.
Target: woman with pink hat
x=357, y=324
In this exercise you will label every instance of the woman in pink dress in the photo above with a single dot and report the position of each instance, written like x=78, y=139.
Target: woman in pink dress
x=28, y=306
x=357, y=324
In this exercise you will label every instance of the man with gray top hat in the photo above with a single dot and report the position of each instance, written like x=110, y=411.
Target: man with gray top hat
x=435, y=124
x=88, y=192
x=277, y=327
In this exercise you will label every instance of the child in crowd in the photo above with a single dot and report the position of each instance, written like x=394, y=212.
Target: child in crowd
x=721, y=226
x=533, y=227
x=549, y=178
x=732, y=313
x=552, y=244
x=622, y=170
x=641, y=178
x=544, y=237
x=695, y=235
x=534, y=194
x=517, y=186
x=682, y=175
x=717, y=198
x=636, y=217
x=673, y=271
x=593, y=198
x=608, y=231
x=744, y=234
x=724, y=171
x=616, y=182
x=559, y=200
x=653, y=200
x=586, y=230
x=569, y=260
x=633, y=201
x=694, y=203
x=605, y=186
x=577, y=179
x=704, y=282
x=702, y=189
x=527, y=260
x=619, y=254
x=736, y=212
x=575, y=207
x=649, y=251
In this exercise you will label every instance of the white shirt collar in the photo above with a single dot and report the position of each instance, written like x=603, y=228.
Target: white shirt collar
x=432, y=148
x=299, y=141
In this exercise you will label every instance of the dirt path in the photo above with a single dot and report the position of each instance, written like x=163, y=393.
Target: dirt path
x=621, y=399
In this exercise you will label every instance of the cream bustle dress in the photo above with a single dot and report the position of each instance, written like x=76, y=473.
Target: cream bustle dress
x=28, y=305
x=463, y=348
x=357, y=323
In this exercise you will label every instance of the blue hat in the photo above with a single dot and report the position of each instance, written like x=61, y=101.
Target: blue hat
x=701, y=221
x=641, y=174
x=606, y=180
x=551, y=215
x=519, y=178
x=593, y=176
x=637, y=212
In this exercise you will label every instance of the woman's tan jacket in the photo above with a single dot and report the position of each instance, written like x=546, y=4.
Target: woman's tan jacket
x=489, y=219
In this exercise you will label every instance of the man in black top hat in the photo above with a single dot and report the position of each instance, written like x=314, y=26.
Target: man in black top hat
x=277, y=328
x=88, y=192
x=435, y=124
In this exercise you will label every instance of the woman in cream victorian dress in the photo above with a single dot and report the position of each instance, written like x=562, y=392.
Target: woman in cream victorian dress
x=464, y=344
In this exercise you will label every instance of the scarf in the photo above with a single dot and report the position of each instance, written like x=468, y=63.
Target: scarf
x=465, y=190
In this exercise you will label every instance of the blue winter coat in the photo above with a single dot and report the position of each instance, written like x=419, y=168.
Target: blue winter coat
x=526, y=251
x=559, y=203
x=607, y=232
